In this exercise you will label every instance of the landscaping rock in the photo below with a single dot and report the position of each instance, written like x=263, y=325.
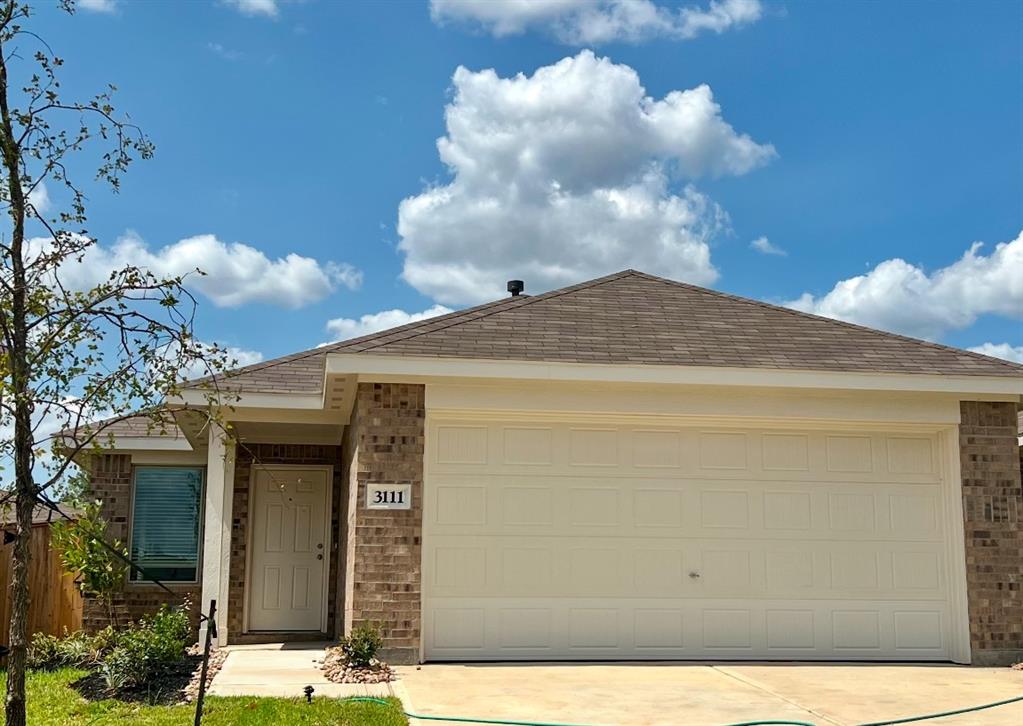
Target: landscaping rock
x=337, y=669
x=217, y=657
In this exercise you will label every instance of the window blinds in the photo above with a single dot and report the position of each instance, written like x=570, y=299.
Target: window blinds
x=165, y=523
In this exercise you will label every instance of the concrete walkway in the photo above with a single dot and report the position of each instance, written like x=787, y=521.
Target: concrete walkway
x=709, y=695
x=283, y=669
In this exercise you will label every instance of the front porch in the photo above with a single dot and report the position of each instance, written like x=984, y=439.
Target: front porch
x=303, y=536
x=286, y=552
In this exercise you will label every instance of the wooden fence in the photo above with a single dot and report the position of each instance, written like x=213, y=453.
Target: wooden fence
x=56, y=601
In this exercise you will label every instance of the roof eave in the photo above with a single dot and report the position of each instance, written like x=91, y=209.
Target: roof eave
x=382, y=368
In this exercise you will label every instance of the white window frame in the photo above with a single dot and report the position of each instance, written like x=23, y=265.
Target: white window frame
x=131, y=581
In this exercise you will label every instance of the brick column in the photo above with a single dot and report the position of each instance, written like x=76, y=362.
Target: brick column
x=384, y=445
x=993, y=513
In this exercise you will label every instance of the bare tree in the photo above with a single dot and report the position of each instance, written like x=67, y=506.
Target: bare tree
x=75, y=358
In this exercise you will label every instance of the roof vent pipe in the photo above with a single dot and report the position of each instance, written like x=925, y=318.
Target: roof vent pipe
x=515, y=287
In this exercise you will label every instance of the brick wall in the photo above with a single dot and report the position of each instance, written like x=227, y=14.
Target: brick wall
x=385, y=445
x=269, y=454
x=110, y=482
x=993, y=513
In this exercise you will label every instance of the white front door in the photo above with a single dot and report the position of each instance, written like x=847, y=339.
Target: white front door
x=289, y=549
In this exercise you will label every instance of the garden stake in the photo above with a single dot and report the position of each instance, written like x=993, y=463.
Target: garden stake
x=211, y=633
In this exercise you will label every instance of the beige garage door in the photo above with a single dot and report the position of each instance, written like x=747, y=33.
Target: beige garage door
x=562, y=540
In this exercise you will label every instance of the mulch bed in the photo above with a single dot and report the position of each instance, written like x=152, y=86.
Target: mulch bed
x=179, y=683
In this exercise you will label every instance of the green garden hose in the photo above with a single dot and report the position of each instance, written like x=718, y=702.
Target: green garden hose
x=499, y=722
x=460, y=719
x=945, y=713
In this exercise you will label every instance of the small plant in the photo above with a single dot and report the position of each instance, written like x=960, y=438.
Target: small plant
x=85, y=553
x=44, y=653
x=116, y=671
x=74, y=650
x=360, y=648
x=102, y=642
x=145, y=650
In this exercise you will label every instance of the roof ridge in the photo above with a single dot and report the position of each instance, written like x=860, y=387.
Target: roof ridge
x=409, y=331
x=525, y=300
x=501, y=304
x=823, y=318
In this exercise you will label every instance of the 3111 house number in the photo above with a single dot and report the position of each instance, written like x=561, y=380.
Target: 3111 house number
x=388, y=496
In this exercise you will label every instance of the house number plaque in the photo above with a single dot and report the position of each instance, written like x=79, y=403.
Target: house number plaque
x=388, y=496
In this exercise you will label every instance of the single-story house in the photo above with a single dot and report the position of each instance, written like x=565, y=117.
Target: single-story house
x=627, y=468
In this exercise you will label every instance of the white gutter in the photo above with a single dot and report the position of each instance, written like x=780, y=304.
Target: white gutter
x=381, y=368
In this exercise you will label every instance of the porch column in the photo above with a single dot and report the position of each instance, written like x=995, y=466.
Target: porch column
x=216, y=544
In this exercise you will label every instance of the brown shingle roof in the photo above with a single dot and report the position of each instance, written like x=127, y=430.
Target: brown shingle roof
x=635, y=318
x=42, y=515
x=138, y=426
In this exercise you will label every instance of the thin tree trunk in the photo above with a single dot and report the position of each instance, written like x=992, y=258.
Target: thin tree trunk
x=24, y=484
x=15, y=706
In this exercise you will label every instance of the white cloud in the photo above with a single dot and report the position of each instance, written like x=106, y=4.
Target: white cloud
x=1000, y=350
x=236, y=273
x=224, y=52
x=98, y=6
x=902, y=297
x=236, y=358
x=565, y=175
x=347, y=328
x=588, y=22
x=266, y=8
x=39, y=198
x=764, y=247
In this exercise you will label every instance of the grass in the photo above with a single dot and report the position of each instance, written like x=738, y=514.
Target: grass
x=52, y=702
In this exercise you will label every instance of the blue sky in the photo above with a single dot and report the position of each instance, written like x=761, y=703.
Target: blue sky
x=858, y=139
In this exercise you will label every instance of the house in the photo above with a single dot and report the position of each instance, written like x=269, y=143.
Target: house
x=627, y=468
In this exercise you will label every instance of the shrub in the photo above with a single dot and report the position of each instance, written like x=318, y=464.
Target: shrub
x=74, y=650
x=147, y=649
x=98, y=566
x=103, y=642
x=44, y=653
x=360, y=648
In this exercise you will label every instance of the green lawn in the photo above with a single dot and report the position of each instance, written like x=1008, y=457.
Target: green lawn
x=52, y=702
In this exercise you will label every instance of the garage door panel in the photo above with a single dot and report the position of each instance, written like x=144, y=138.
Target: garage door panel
x=562, y=540
x=508, y=566
x=649, y=628
x=765, y=455
x=624, y=507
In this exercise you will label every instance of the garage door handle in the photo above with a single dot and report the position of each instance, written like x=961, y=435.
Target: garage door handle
x=694, y=575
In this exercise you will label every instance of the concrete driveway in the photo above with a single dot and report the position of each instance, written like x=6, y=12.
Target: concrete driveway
x=710, y=695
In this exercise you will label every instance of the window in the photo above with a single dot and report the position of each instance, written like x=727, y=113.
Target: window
x=165, y=522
